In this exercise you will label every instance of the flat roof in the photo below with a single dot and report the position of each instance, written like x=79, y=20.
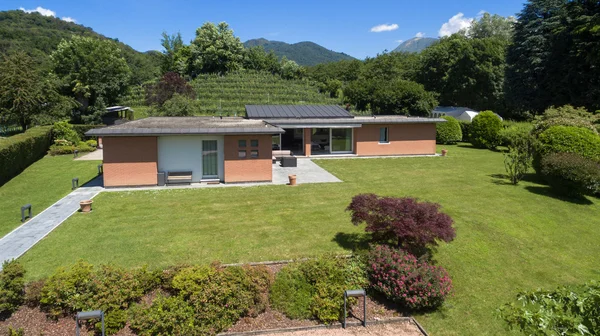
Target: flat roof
x=187, y=125
x=295, y=111
x=353, y=122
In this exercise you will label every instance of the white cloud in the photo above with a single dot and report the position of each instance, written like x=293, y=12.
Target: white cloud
x=68, y=19
x=420, y=34
x=384, y=27
x=399, y=41
x=481, y=12
x=41, y=10
x=456, y=23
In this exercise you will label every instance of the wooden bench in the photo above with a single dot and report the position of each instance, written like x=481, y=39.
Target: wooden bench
x=179, y=177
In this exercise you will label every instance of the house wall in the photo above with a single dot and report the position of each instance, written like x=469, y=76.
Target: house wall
x=184, y=153
x=403, y=139
x=130, y=161
x=248, y=169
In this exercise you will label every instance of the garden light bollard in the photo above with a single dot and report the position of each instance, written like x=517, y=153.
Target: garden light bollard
x=356, y=293
x=75, y=183
x=88, y=315
x=76, y=153
x=100, y=169
x=23, y=208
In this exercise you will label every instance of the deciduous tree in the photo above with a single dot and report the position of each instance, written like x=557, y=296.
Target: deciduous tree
x=215, y=50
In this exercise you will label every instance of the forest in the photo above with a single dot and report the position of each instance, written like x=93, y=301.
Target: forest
x=548, y=55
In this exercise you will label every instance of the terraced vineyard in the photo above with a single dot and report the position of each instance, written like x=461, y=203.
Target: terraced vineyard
x=227, y=95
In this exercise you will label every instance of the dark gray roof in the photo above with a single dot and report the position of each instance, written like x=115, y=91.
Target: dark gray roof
x=295, y=111
x=187, y=125
x=359, y=120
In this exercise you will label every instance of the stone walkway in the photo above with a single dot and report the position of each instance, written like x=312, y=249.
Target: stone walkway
x=21, y=239
x=91, y=156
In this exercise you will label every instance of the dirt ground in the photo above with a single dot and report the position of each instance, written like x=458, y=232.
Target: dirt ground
x=391, y=329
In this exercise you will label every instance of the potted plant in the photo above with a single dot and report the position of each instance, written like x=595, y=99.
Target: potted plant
x=292, y=179
x=444, y=152
x=86, y=205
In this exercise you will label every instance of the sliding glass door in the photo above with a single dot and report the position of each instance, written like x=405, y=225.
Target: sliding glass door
x=210, y=163
x=341, y=140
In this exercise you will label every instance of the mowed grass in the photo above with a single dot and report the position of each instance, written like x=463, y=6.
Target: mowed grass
x=509, y=238
x=41, y=184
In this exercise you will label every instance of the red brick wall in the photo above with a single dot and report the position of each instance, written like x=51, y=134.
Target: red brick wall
x=403, y=139
x=248, y=169
x=130, y=161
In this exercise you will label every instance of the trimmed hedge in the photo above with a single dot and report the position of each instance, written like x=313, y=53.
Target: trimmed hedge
x=485, y=130
x=21, y=150
x=570, y=174
x=465, y=129
x=448, y=132
x=570, y=139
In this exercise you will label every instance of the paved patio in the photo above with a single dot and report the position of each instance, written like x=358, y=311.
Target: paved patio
x=91, y=156
x=21, y=239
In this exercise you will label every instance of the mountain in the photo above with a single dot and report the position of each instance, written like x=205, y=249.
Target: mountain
x=303, y=53
x=39, y=36
x=415, y=44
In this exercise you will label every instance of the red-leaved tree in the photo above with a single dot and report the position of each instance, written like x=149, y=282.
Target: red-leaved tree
x=410, y=224
x=170, y=84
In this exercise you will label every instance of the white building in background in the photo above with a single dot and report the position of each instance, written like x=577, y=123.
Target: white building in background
x=459, y=113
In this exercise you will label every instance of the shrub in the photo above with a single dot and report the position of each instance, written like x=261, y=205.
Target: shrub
x=19, y=151
x=61, y=150
x=465, y=128
x=62, y=130
x=565, y=116
x=82, y=128
x=314, y=288
x=513, y=132
x=216, y=297
x=62, y=147
x=448, y=132
x=164, y=317
x=570, y=174
x=569, y=139
x=179, y=106
x=400, y=277
x=83, y=287
x=573, y=310
x=33, y=293
x=485, y=130
x=12, y=287
x=404, y=222
x=92, y=143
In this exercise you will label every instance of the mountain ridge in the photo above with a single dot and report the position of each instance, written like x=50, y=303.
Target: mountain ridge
x=415, y=44
x=304, y=53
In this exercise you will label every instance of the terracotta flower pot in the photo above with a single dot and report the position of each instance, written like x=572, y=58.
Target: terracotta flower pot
x=292, y=179
x=86, y=206
x=444, y=152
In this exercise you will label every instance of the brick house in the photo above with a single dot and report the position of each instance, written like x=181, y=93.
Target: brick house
x=233, y=149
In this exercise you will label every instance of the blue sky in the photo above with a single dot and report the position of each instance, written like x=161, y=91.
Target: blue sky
x=343, y=26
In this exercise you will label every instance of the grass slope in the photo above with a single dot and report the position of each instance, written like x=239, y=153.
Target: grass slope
x=41, y=184
x=509, y=238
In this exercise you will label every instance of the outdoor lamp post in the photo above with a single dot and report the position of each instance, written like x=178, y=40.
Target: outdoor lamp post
x=88, y=315
x=356, y=293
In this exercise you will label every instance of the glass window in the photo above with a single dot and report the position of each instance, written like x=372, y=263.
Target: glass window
x=253, y=143
x=341, y=140
x=242, y=154
x=242, y=143
x=254, y=153
x=384, y=135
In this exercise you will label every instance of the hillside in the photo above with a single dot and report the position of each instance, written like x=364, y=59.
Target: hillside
x=39, y=35
x=303, y=53
x=415, y=44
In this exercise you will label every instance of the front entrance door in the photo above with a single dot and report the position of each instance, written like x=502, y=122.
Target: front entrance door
x=210, y=164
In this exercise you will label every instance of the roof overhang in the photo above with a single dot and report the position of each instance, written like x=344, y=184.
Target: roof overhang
x=180, y=131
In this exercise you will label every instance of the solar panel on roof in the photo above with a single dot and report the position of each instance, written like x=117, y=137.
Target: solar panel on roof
x=295, y=111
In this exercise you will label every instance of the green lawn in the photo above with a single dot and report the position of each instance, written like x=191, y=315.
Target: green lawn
x=509, y=238
x=41, y=184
